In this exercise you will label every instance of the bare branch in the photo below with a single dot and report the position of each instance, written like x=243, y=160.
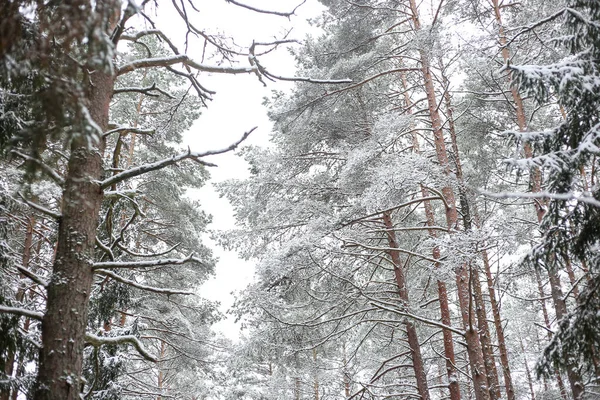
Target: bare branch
x=40, y=208
x=45, y=167
x=146, y=90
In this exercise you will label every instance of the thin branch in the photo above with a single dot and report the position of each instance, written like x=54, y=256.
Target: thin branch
x=145, y=264
x=134, y=284
x=142, y=169
x=259, y=10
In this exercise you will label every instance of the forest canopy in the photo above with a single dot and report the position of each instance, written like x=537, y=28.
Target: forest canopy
x=424, y=223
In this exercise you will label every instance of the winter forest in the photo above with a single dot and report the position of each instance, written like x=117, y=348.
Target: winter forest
x=424, y=222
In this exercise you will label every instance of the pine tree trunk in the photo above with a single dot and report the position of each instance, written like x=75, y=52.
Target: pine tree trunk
x=65, y=321
x=450, y=361
x=411, y=331
x=484, y=329
x=462, y=277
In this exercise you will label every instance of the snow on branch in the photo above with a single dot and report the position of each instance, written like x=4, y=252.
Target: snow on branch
x=44, y=167
x=181, y=58
x=37, y=279
x=21, y=311
x=192, y=155
x=543, y=195
x=145, y=264
x=40, y=208
x=145, y=90
x=134, y=284
x=262, y=11
x=98, y=341
x=352, y=243
x=122, y=130
x=417, y=318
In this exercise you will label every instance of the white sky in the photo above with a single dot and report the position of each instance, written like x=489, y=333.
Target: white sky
x=236, y=108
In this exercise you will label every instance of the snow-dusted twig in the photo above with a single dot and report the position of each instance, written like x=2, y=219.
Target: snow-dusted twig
x=145, y=264
x=128, y=129
x=98, y=341
x=134, y=284
x=144, y=90
x=45, y=167
x=40, y=208
x=262, y=11
x=196, y=156
x=37, y=279
x=543, y=195
x=21, y=311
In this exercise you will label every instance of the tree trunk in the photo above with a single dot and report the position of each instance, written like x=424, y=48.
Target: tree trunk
x=482, y=323
x=65, y=321
x=411, y=331
x=451, y=371
x=536, y=182
x=462, y=278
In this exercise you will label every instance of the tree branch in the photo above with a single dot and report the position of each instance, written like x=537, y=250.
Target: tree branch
x=145, y=264
x=21, y=311
x=259, y=10
x=142, y=169
x=98, y=341
x=134, y=284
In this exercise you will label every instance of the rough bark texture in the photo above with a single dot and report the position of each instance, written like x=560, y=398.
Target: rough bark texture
x=411, y=331
x=64, y=324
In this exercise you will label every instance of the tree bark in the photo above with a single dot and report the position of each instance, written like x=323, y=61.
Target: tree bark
x=65, y=321
x=411, y=331
x=482, y=323
x=450, y=360
x=462, y=277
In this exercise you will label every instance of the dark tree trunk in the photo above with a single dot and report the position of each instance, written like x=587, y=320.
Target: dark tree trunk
x=65, y=321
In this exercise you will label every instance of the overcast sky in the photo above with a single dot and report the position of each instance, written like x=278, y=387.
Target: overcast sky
x=236, y=108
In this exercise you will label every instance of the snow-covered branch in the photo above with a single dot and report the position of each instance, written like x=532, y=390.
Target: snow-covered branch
x=145, y=264
x=37, y=279
x=196, y=156
x=128, y=129
x=40, y=208
x=21, y=311
x=144, y=90
x=184, y=59
x=543, y=195
x=43, y=166
x=262, y=11
x=98, y=341
x=134, y=284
